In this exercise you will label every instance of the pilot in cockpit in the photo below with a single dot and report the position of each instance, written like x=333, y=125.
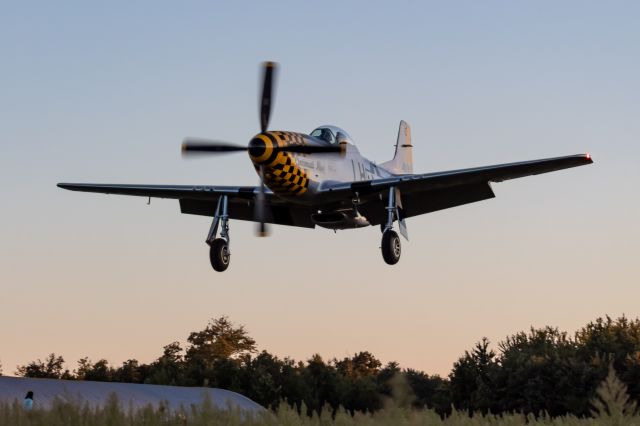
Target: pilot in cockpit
x=331, y=134
x=324, y=134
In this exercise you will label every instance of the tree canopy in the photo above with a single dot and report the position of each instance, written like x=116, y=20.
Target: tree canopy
x=542, y=370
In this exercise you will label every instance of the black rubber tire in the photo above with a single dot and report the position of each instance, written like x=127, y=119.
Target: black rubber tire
x=219, y=255
x=391, y=248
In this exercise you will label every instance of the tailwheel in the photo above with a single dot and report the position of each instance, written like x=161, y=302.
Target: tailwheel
x=219, y=254
x=391, y=249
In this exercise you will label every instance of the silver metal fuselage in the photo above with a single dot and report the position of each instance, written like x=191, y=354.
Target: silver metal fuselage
x=330, y=169
x=299, y=177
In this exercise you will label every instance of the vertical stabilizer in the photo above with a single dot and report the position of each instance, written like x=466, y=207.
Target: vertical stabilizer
x=402, y=162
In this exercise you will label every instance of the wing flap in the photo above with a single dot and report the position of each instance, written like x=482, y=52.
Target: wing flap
x=276, y=214
x=421, y=202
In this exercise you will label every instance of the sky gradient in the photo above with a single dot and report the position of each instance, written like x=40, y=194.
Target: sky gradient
x=105, y=93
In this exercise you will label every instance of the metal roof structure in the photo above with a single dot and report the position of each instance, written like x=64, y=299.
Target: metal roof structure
x=129, y=394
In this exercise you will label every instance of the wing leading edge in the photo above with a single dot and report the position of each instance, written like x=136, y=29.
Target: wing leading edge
x=196, y=192
x=202, y=200
x=476, y=175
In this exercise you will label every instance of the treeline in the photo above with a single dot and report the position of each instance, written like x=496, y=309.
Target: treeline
x=540, y=371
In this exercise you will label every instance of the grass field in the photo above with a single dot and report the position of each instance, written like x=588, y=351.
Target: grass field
x=611, y=406
x=112, y=414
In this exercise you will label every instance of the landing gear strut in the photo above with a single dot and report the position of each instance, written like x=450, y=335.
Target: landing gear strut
x=391, y=248
x=219, y=253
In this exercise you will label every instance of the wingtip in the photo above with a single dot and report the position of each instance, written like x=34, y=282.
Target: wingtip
x=71, y=186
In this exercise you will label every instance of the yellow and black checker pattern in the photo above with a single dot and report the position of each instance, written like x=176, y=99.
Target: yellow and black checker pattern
x=282, y=175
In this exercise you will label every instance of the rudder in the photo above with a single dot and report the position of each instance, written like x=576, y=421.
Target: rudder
x=402, y=162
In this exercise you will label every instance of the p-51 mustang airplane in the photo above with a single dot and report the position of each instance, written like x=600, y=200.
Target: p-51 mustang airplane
x=321, y=179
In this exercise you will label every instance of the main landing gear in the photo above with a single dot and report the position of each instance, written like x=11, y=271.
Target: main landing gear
x=391, y=247
x=219, y=253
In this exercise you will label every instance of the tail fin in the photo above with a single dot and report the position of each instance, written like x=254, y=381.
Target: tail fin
x=402, y=162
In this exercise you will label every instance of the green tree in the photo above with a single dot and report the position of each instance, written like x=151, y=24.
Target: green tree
x=362, y=364
x=100, y=371
x=292, y=382
x=51, y=368
x=225, y=373
x=429, y=391
x=168, y=369
x=606, y=336
x=262, y=379
x=606, y=341
x=538, y=373
x=324, y=387
x=471, y=380
x=84, y=365
x=130, y=372
x=362, y=392
x=214, y=353
x=219, y=340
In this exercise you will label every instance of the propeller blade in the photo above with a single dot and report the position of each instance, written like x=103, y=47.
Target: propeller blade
x=192, y=146
x=260, y=208
x=266, y=98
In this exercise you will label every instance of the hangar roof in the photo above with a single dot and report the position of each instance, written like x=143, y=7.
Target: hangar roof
x=138, y=395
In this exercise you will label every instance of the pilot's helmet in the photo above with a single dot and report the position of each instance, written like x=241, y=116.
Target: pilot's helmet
x=326, y=135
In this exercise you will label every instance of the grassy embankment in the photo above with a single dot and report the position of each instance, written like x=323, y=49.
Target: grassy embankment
x=71, y=414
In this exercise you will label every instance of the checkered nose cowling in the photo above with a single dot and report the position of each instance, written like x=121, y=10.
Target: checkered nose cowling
x=281, y=173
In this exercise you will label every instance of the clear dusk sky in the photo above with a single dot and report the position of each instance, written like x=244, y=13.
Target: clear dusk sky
x=105, y=92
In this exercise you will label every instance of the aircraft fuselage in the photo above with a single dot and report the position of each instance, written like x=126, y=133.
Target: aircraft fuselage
x=298, y=176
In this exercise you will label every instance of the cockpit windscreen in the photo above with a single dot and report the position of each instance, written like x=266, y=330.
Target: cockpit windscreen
x=331, y=134
x=324, y=134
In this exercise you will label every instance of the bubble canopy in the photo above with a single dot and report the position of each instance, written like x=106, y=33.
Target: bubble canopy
x=331, y=134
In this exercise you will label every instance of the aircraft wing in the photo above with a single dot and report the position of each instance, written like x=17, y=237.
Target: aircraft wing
x=420, y=193
x=424, y=193
x=202, y=200
x=197, y=192
x=496, y=173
